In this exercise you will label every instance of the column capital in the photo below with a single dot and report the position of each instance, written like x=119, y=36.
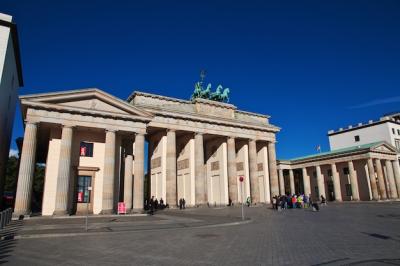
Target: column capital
x=68, y=126
x=139, y=134
x=171, y=130
x=111, y=130
x=31, y=122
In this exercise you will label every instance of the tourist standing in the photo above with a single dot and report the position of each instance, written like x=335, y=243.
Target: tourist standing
x=294, y=201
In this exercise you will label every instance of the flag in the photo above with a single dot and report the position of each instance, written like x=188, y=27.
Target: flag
x=319, y=148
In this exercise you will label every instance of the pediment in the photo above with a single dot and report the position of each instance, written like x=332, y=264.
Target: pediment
x=85, y=100
x=384, y=147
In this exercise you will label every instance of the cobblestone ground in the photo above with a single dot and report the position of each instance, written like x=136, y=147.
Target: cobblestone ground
x=340, y=234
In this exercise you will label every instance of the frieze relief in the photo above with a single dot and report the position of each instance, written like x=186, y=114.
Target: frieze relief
x=239, y=166
x=182, y=164
x=215, y=166
x=156, y=162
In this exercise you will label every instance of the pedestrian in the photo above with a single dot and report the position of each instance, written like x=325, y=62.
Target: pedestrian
x=184, y=203
x=156, y=204
x=180, y=203
x=278, y=204
x=305, y=200
x=300, y=201
x=162, y=204
x=274, y=205
x=323, y=200
x=294, y=201
x=151, y=203
x=248, y=201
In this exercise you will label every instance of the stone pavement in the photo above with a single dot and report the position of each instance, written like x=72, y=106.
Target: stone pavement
x=340, y=234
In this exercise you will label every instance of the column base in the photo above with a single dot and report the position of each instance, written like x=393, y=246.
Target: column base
x=111, y=211
x=60, y=213
x=20, y=216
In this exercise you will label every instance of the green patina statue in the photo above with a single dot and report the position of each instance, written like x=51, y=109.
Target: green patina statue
x=220, y=95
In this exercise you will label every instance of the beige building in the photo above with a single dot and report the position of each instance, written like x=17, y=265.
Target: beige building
x=10, y=81
x=94, y=146
x=364, y=172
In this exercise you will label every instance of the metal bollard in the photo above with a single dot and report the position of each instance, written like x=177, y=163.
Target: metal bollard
x=2, y=220
x=9, y=215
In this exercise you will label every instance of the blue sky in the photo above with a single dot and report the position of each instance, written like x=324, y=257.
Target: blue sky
x=311, y=65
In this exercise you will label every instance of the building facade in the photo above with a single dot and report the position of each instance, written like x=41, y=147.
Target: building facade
x=364, y=172
x=95, y=146
x=10, y=81
x=387, y=129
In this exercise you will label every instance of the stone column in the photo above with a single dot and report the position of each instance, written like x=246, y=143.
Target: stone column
x=291, y=179
x=138, y=182
x=200, y=179
x=232, y=176
x=281, y=183
x=336, y=183
x=254, y=186
x=273, y=173
x=64, y=171
x=171, y=168
x=26, y=171
x=109, y=173
x=128, y=184
x=306, y=182
x=320, y=182
x=372, y=180
x=353, y=181
x=396, y=170
x=381, y=180
x=392, y=183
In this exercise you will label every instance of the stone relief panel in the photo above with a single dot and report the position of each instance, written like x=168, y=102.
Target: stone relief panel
x=183, y=164
x=239, y=166
x=260, y=167
x=215, y=166
x=156, y=162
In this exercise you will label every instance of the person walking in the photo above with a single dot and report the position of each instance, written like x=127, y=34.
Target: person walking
x=184, y=203
x=180, y=203
x=274, y=198
x=323, y=200
x=248, y=201
x=151, y=203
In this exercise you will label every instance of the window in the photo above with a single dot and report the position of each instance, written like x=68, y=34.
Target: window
x=398, y=132
x=348, y=190
x=397, y=143
x=86, y=149
x=394, y=132
x=357, y=138
x=83, y=193
x=346, y=171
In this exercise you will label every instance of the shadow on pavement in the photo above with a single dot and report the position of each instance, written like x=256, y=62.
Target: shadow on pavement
x=7, y=241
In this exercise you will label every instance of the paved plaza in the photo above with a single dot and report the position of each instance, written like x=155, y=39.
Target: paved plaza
x=340, y=234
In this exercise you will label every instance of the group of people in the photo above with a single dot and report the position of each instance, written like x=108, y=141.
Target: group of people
x=295, y=201
x=182, y=203
x=153, y=204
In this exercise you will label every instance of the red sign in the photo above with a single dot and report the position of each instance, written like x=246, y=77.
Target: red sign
x=80, y=196
x=241, y=178
x=121, y=208
x=83, y=151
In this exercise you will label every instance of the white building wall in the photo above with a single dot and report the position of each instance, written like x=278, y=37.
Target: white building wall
x=374, y=133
